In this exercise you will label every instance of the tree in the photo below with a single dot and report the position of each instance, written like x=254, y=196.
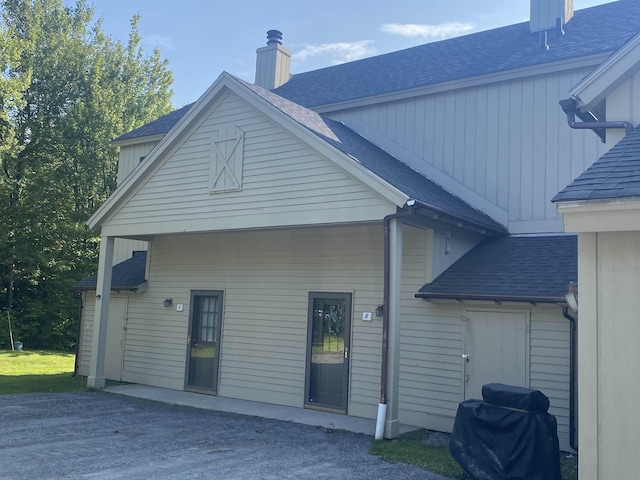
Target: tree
x=66, y=90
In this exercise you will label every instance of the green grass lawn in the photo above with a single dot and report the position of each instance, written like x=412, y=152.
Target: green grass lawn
x=37, y=371
x=413, y=448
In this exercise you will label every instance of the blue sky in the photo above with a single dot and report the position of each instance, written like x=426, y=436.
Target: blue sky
x=202, y=38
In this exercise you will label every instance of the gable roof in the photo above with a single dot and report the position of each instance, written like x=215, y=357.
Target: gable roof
x=127, y=275
x=592, y=31
x=609, y=75
x=597, y=30
x=371, y=165
x=515, y=268
x=615, y=175
x=415, y=185
x=159, y=126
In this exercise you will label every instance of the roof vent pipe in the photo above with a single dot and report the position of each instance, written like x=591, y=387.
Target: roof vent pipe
x=274, y=37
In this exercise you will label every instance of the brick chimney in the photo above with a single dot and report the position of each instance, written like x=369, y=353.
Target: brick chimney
x=273, y=62
x=550, y=15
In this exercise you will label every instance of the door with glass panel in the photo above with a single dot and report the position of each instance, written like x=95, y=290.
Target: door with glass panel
x=327, y=379
x=203, y=343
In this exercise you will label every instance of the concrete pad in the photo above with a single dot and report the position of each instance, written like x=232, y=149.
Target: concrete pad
x=244, y=407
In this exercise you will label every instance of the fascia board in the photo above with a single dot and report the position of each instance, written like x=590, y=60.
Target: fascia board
x=508, y=75
x=611, y=215
x=130, y=182
x=596, y=86
x=225, y=80
x=346, y=162
x=138, y=140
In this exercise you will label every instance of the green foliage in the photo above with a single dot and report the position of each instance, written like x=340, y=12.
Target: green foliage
x=415, y=448
x=66, y=90
x=412, y=448
x=37, y=371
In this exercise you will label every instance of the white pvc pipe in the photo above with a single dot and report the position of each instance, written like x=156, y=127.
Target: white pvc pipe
x=382, y=416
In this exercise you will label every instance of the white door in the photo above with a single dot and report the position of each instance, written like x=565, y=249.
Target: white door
x=116, y=325
x=496, y=350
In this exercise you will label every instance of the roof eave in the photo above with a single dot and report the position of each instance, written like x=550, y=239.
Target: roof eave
x=139, y=288
x=468, y=82
x=593, y=88
x=497, y=298
x=137, y=140
x=437, y=213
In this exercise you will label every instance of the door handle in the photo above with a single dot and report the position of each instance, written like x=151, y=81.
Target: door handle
x=346, y=353
x=466, y=357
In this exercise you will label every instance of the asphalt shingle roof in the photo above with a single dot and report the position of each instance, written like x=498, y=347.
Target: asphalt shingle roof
x=595, y=30
x=614, y=175
x=591, y=31
x=127, y=275
x=512, y=268
x=157, y=127
x=379, y=162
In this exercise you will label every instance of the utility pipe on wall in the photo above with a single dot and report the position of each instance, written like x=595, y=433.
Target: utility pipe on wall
x=382, y=407
x=599, y=127
x=572, y=377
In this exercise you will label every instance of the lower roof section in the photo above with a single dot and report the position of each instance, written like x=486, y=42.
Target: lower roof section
x=127, y=275
x=516, y=268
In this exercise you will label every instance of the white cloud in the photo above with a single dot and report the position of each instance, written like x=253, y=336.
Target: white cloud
x=160, y=42
x=337, y=52
x=428, y=32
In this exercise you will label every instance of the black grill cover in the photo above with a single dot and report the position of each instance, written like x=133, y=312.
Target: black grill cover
x=494, y=442
x=520, y=398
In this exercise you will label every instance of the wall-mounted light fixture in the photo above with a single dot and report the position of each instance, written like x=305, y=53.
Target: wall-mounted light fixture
x=572, y=296
x=379, y=311
x=447, y=241
x=167, y=302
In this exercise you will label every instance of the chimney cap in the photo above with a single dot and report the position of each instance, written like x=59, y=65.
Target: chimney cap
x=274, y=37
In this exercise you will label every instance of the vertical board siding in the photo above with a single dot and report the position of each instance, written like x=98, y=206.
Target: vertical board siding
x=281, y=175
x=129, y=158
x=508, y=142
x=123, y=249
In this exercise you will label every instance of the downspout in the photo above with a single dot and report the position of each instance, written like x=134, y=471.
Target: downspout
x=570, y=108
x=382, y=407
x=572, y=378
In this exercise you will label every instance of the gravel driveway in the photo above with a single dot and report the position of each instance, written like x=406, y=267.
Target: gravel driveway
x=106, y=436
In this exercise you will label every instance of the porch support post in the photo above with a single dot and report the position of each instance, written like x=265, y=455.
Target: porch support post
x=392, y=424
x=589, y=412
x=103, y=294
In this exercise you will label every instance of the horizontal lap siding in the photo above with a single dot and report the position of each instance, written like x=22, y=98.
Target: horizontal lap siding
x=266, y=278
x=280, y=176
x=431, y=340
x=86, y=332
x=549, y=365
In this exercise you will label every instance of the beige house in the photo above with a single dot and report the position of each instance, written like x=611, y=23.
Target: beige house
x=375, y=233
x=603, y=206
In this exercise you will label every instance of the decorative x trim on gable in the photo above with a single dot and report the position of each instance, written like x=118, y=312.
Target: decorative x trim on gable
x=227, y=156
